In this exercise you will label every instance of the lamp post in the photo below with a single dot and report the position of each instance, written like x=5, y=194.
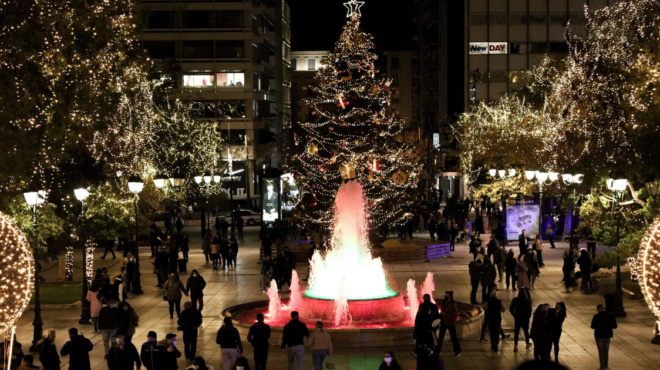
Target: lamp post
x=82, y=194
x=500, y=175
x=168, y=185
x=617, y=187
x=135, y=186
x=34, y=199
x=205, y=181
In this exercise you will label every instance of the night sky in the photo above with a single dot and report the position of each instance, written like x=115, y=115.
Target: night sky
x=316, y=24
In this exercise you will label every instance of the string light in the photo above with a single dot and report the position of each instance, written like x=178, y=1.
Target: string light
x=89, y=263
x=649, y=267
x=17, y=277
x=354, y=127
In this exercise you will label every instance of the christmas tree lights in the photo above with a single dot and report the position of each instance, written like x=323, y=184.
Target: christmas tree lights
x=17, y=277
x=354, y=132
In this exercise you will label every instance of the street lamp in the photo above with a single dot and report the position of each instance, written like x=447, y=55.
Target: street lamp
x=205, y=181
x=169, y=185
x=82, y=194
x=501, y=175
x=135, y=186
x=617, y=186
x=34, y=199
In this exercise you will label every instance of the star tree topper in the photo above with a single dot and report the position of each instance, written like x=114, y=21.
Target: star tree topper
x=353, y=7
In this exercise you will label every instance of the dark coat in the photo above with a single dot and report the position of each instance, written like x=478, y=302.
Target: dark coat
x=167, y=360
x=190, y=319
x=109, y=318
x=78, y=349
x=521, y=309
x=150, y=355
x=258, y=335
x=540, y=329
x=228, y=337
x=48, y=356
x=603, y=324
x=123, y=358
x=195, y=285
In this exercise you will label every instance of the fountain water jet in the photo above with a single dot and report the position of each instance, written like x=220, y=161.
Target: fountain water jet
x=274, y=303
x=413, y=299
x=428, y=286
x=295, y=297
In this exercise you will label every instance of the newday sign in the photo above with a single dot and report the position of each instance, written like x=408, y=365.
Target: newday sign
x=488, y=48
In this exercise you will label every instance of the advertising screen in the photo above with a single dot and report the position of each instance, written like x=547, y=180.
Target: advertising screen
x=271, y=201
x=524, y=214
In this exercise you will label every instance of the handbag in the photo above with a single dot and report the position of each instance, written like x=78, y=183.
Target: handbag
x=329, y=364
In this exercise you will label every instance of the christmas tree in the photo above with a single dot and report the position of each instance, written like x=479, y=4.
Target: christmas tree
x=353, y=133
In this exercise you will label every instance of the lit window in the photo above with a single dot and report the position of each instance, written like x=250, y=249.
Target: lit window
x=198, y=80
x=230, y=79
x=311, y=64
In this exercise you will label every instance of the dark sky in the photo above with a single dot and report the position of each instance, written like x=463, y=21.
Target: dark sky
x=316, y=24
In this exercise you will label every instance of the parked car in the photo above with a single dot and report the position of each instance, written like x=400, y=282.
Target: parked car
x=249, y=217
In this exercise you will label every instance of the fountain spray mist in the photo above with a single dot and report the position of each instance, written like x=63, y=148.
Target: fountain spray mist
x=428, y=286
x=349, y=258
x=413, y=299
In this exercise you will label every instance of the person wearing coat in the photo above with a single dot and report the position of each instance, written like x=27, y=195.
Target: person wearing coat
x=569, y=269
x=77, y=348
x=521, y=310
x=321, y=345
x=538, y=248
x=206, y=245
x=585, y=263
x=128, y=320
x=510, y=265
x=540, y=333
x=448, y=320
x=95, y=304
x=523, y=242
x=494, y=318
x=521, y=271
x=556, y=317
x=173, y=292
x=475, y=271
x=487, y=278
x=48, y=356
x=215, y=250
x=532, y=264
x=195, y=288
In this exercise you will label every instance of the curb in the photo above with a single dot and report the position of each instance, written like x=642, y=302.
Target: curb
x=70, y=306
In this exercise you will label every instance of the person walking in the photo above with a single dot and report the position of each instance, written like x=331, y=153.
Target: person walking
x=123, y=355
x=603, y=324
x=95, y=304
x=108, y=248
x=487, y=278
x=258, y=336
x=499, y=257
x=168, y=353
x=230, y=343
x=521, y=310
x=224, y=251
x=206, y=245
x=149, y=352
x=569, y=269
x=494, y=319
x=448, y=321
x=540, y=333
x=195, y=289
x=216, y=250
x=293, y=339
x=48, y=356
x=128, y=321
x=556, y=317
x=523, y=242
x=321, y=345
x=538, y=248
x=422, y=332
x=389, y=362
x=77, y=348
x=161, y=264
x=475, y=271
x=511, y=264
x=189, y=321
x=532, y=263
x=108, y=324
x=453, y=233
x=131, y=268
x=184, y=241
x=521, y=272
x=173, y=292
x=585, y=262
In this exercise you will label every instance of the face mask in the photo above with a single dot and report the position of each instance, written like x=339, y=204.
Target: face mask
x=240, y=367
x=195, y=367
x=174, y=343
x=194, y=275
x=118, y=341
x=388, y=359
x=152, y=341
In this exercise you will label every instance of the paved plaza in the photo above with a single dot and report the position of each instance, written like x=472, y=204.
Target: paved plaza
x=631, y=347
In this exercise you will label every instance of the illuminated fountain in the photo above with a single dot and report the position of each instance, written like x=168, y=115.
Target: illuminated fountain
x=348, y=289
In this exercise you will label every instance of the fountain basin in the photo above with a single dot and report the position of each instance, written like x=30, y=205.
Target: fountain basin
x=390, y=308
x=378, y=332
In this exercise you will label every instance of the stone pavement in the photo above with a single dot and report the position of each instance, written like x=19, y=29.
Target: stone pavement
x=631, y=347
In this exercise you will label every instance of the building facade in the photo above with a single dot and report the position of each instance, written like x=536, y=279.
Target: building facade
x=402, y=68
x=231, y=60
x=304, y=65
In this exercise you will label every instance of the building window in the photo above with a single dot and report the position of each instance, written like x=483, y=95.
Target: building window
x=395, y=64
x=229, y=19
x=160, y=20
x=198, y=80
x=497, y=76
x=294, y=64
x=518, y=48
x=558, y=47
x=230, y=49
x=497, y=18
x=197, y=19
x=311, y=64
x=160, y=49
x=197, y=49
x=538, y=47
x=478, y=19
x=230, y=79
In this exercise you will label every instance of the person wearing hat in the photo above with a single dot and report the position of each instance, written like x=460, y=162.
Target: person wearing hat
x=168, y=353
x=448, y=320
x=150, y=353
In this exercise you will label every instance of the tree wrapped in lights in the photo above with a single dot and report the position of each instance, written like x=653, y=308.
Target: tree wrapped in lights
x=353, y=133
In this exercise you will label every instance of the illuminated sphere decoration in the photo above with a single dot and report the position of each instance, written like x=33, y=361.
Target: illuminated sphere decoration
x=16, y=273
x=649, y=267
